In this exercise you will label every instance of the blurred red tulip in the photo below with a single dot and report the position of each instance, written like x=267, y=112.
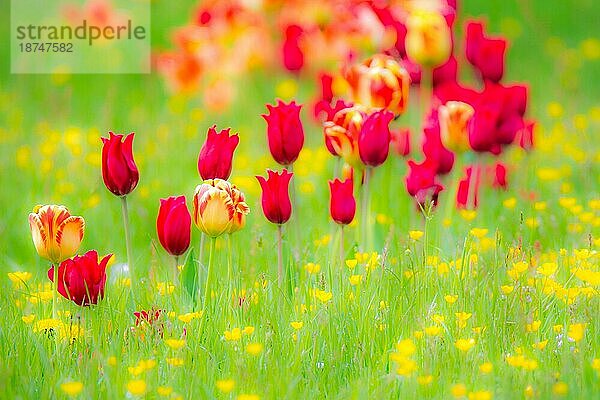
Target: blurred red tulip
x=374, y=138
x=433, y=148
x=421, y=181
x=285, y=133
x=275, y=200
x=500, y=181
x=467, y=195
x=173, y=225
x=119, y=171
x=342, y=205
x=293, y=57
x=484, y=53
x=527, y=139
x=216, y=154
x=82, y=278
x=401, y=141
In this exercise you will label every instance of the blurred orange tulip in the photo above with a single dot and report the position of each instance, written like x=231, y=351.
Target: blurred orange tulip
x=428, y=38
x=454, y=118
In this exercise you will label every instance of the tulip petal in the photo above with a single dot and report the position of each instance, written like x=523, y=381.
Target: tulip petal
x=69, y=236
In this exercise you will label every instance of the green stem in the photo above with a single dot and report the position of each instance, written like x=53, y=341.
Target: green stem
x=125, y=213
x=279, y=255
x=364, y=210
x=55, y=292
x=229, y=273
x=209, y=273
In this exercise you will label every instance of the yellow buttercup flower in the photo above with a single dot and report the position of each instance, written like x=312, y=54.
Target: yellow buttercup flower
x=136, y=387
x=71, y=389
x=225, y=385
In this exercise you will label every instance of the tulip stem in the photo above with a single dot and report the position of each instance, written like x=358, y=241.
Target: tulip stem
x=279, y=255
x=209, y=273
x=54, y=292
x=201, y=249
x=128, y=240
x=425, y=91
x=229, y=273
x=365, y=209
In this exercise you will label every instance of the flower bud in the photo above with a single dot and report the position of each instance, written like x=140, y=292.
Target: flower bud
x=285, y=133
x=173, y=225
x=216, y=155
x=342, y=206
x=119, y=172
x=275, y=199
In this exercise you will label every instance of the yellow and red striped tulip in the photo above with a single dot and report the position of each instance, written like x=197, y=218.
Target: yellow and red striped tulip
x=241, y=209
x=213, y=207
x=428, y=38
x=454, y=119
x=56, y=233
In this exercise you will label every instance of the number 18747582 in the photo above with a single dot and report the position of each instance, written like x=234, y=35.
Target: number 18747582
x=45, y=47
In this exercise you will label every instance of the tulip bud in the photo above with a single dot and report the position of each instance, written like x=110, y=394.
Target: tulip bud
x=56, y=233
x=293, y=57
x=428, y=40
x=379, y=82
x=119, y=171
x=215, y=158
x=275, y=199
x=82, y=278
x=342, y=134
x=342, y=206
x=484, y=53
x=173, y=225
x=374, y=138
x=285, y=133
x=213, y=207
x=454, y=118
x=241, y=209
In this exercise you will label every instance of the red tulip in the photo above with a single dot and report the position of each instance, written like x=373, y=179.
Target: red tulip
x=500, y=181
x=342, y=205
x=275, y=200
x=374, y=138
x=484, y=53
x=467, y=195
x=527, y=139
x=433, y=148
x=401, y=141
x=293, y=57
x=82, y=278
x=173, y=225
x=284, y=131
x=119, y=171
x=421, y=181
x=216, y=154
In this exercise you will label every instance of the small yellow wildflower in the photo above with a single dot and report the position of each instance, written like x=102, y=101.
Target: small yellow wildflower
x=254, y=348
x=415, y=235
x=486, y=368
x=507, y=289
x=451, y=298
x=479, y=232
x=355, y=279
x=136, y=387
x=458, y=390
x=248, y=330
x=175, y=344
x=312, y=268
x=71, y=389
x=351, y=263
x=481, y=395
x=164, y=391
x=560, y=389
x=576, y=332
x=225, y=385
x=297, y=325
x=424, y=380
x=464, y=344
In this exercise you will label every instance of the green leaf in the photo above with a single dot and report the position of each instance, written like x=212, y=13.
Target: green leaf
x=189, y=276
